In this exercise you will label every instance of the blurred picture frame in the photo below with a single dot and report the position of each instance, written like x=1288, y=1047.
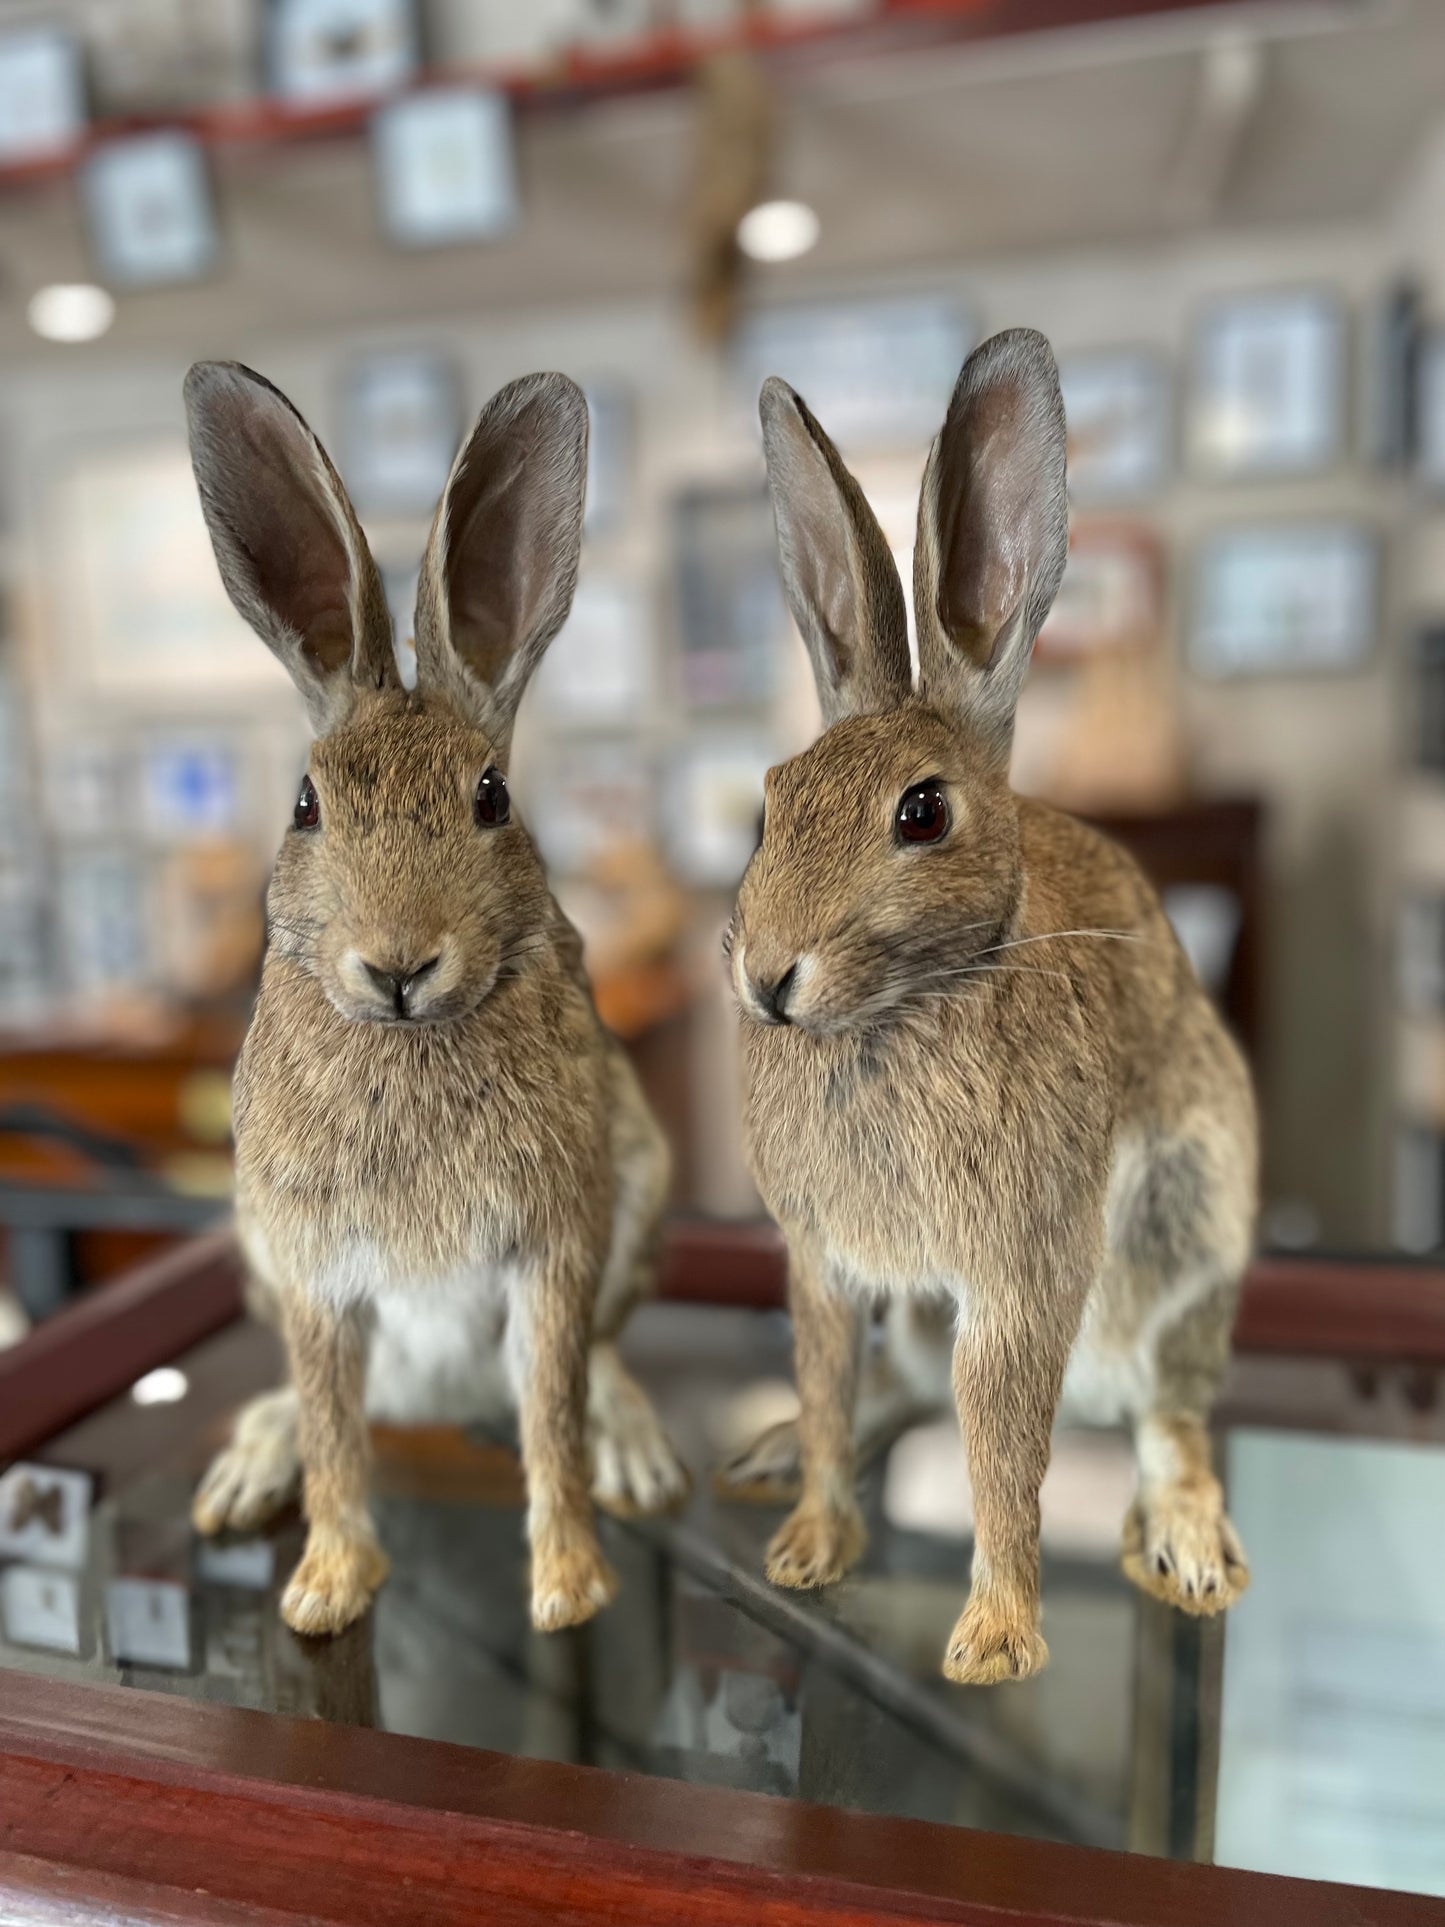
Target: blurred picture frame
x=446, y=167
x=401, y=423
x=1430, y=411
x=1111, y=599
x=1289, y=599
x=1427, y=704
x=191, y=783
x=102, y=907
x=149, y=210
x=877, y=370
x=715, y=806
x=1419, y=1211
x=1270, y=384
x=137, y=607
x=1420, y=953
x=732, y=622
x=598, y=673
x=1119, y=406
x=611, y=409
x=597, y=795
x=323, y=52
x=42, y=94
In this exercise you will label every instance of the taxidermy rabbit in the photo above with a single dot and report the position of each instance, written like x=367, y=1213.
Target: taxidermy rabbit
x=441, y=1157
x=981, y=1079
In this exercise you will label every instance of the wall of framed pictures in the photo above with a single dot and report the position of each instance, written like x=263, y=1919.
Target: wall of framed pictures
x=1217, y=669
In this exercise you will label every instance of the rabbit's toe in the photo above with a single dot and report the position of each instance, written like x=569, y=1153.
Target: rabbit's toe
x=1180, y=1547
x=768, y=1471
x=815, y=1546
x=244, y=1487
x=570, y=1582
x=635, y=1470
x=994, y=1641
x=333, y=1585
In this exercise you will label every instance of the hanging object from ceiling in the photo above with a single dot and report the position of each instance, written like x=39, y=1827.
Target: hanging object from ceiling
x=735, y=139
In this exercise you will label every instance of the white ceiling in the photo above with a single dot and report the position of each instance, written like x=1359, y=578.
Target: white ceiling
x=911, y=161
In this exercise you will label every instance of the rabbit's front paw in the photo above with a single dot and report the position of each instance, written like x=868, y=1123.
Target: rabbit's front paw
x=994, y=1640
x=1179, y=1546
x=815, y=1545
x=570, y=1582
x=334, y=1583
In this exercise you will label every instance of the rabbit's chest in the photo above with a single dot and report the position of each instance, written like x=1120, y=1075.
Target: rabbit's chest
x=391, y=1159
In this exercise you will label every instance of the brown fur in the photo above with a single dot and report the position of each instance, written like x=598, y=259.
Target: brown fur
x=491, y=1135
x=968, y=1101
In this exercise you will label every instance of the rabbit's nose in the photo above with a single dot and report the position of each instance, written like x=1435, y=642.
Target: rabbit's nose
x=397, y=986
x=772, y=998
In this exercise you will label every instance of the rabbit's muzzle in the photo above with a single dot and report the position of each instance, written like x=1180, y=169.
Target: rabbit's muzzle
x=414, y=984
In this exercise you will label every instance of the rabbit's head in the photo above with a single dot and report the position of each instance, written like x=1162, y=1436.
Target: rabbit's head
x=406, y=885
x=890, y=849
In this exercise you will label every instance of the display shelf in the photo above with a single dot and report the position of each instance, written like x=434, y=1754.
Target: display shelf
x=659, y=60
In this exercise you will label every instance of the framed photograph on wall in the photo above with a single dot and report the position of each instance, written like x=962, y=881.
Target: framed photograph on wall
x=137, y=608
x=598, y=673
x=320, y=52
x=1118, y=403
x=716, y=803
x=1270, y=385
x=445, y=168
x=42, y=94
x=1430, y=411
x=148, y=204
x=597, y=795
x=1112, y=596
x=609, y=454
x=877, y=371
x=732, y=619
x=401, y=423
x=1293, y=599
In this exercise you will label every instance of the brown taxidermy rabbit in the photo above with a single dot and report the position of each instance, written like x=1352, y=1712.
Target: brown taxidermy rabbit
x=441, y=1156
x=981, y=1078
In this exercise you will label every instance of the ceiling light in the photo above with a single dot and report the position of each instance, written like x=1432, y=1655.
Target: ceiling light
x=71, y=311
x=161, y=1387
x=778, y=230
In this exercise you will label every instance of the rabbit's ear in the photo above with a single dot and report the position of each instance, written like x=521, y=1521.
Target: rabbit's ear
x=291, y=552
x=501, y=564
x=838, y=570
x=993, y=533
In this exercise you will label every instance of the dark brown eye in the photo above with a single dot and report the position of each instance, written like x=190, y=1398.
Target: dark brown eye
x=492, y=807
x=922, y=813
x=308, y=806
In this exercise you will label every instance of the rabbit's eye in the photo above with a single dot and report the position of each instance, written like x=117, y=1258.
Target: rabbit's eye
x=922, y=813
x=492, y=807
x=308, y=806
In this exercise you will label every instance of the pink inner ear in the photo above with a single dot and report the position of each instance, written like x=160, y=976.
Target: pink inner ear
x=991, y=528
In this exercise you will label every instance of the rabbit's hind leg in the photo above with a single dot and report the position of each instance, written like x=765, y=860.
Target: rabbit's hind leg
x=905, y=1382
x=634, y=1468
x=1179, y=1545
x=257, y=1474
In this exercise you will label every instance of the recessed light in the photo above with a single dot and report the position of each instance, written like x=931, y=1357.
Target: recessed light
x=163, y=1386
x=71, y=311
x=778, y=230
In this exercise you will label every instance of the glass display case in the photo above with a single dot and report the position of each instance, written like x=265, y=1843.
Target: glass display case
x=711, y=1747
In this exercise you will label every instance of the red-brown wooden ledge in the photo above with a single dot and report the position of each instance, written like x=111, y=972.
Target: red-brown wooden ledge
x=206, y=1810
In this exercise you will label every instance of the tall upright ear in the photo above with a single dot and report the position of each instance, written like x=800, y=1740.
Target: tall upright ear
x=838, y=571
x=500, y=567
x=993, y=533
x=290, y=549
